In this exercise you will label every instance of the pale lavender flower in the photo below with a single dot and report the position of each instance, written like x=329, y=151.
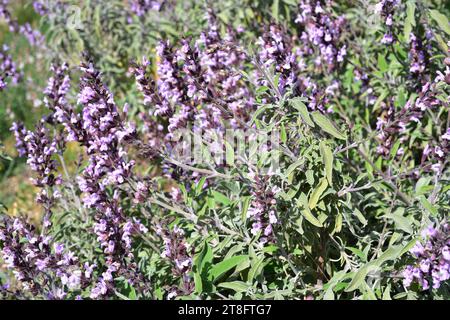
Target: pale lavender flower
x=432, y=263
x=178, y=252
x=8, y=69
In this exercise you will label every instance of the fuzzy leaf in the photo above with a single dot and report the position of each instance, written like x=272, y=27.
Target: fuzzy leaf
x=237, y=286
x=222, y=267
x=441, y=20
x=298, y=104
x=327, y=157
x=326, y=125
x=317, y=192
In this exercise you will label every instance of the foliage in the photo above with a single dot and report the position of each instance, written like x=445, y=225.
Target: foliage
x=346, y=197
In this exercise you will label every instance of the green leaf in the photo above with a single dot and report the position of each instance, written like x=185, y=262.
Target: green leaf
x=358, y=252
x=408, y=246
x=220, y=197
x=384, y=93
x=229, y=155
x=132, y=295
x=198, y=282
x=382, y=64
x=199, y=186
x=358, y=279
x=394, y=149
x=245, y=207
x=326, y=125
x=422, y=186
x=294, y=166
x=338, y=223
x=256, y=269
x=410, y=20
x=275, y=10
x=441, y=42
x=391, y=253
x=441, y=20
x=360, y=216
x=221, y=268
x=237, y=286
x=401, y=222
x=360, y=276
x=262, y=89
x=283, y=135
x=306, y=213
x=386, y=293
x=309, y=176
x=276, y=80
x=261, y=110
x=121, y=296
x=427, y=205
x=327, y=157
x=298, y=104
x=329, y=295
x=201, y=263
x=317, y=192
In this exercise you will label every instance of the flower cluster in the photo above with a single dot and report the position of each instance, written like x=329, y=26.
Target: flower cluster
x=8, y=69
x=319, y=98
x=153, y=130
x=117, y=241
x=172, y=89
x=40, y=151
x=141, y=7
x=40, y=148
x=34, y=37
x=386, y=8
x=263, y=208
x=418, y=58
x=198, y=85
x=57, y=87
x=20, y=132
x=61, y=111
x=221, y=59
x=105, y=131
x=206, y=74
x=433, y=259
x=40, y=7
x=31, y=257
x=438, y=153
x=363, y=77
x=321, y=33
x=391, y=124
x=276, y=50
x=180, y=254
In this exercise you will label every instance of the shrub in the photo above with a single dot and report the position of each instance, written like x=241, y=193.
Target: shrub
x=276, y=150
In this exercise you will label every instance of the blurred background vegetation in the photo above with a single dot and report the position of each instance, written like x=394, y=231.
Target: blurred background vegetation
x=20, y=102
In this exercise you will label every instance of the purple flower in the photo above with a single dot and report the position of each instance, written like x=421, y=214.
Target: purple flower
x=432, y=260
x=387, y=38
x=321, y=32
x=263, y=209
x=40, y=8
x=178, y=253
x=386, y=9
x=59, y=248
x=8, y=69
x=30, y=258
x=34, y=37
x=142, y=7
